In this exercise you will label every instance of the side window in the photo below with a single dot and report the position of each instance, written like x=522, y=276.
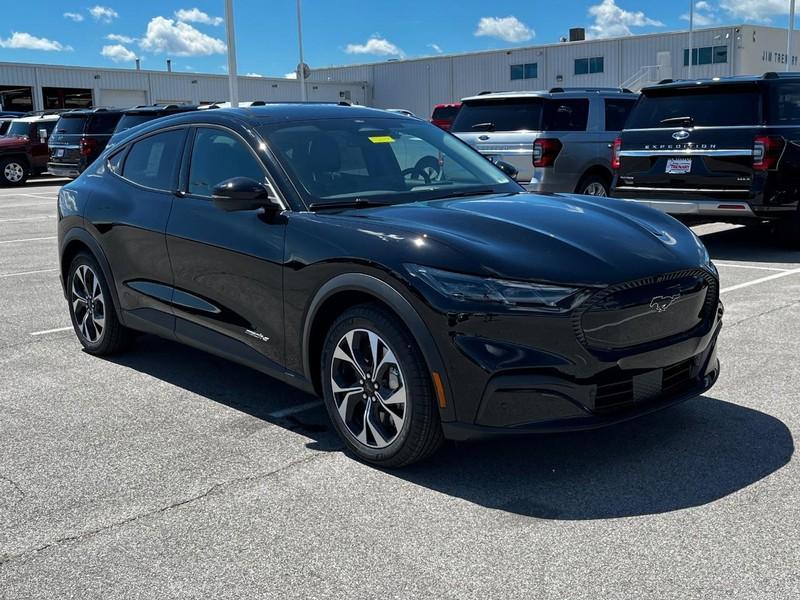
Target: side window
x=103, y=123
x=617, y=111
x=115, y=162
x=217, y=156
x=154, y=161
x=566, y=115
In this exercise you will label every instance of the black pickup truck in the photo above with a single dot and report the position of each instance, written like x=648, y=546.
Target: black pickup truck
x=723, y=149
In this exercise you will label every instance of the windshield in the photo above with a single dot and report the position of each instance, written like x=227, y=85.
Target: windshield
x=380, y=160
x=19, y=128
x=715, y=106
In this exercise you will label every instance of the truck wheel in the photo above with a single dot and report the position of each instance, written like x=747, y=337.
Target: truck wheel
x=13, y=171
x=593, y=185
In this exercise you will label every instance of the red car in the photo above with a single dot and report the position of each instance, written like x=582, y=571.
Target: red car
x=23, y=148
x=444, y=115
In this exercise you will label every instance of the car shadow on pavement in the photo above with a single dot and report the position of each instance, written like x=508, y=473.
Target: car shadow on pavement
x=756, y=243
x=681, y=457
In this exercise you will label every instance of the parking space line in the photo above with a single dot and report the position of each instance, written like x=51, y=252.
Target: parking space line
x=46, y=331
x=295, y=409
x=27, y=204
x=22, y=273
x=750, y=267
x=52, y=237
x=739, y=286
x=21, y=219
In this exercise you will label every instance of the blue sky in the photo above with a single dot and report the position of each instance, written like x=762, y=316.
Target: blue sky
x=192, y=32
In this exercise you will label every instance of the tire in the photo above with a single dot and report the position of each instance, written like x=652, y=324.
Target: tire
x=92, y=310
x=395, y=434
x=595, y=182
x=13, y=171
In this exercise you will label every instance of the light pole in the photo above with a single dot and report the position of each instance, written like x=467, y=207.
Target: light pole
x=790, y=39
x=233, y=80
x=301, y=70
x=691, y=35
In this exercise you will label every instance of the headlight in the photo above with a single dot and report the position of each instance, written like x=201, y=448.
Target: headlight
x=513, y=294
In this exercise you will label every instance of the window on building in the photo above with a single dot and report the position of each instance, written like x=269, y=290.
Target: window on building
x=706, y=55
x=66, y=97
x=525, y=71
x=586, y=66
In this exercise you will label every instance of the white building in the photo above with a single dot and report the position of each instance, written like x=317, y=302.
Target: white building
x=631, y=62
x=27, y=87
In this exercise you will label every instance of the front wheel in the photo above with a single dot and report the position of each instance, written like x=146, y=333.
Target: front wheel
x=13, y=172
x=377, y=389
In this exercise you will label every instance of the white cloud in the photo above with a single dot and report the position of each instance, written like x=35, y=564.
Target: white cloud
x=118, y=53
x=436, y=48
x=253, y=75
x=509, y=29
x=123, y=39
x=25, y=41
x=704, y=14
x=179, y=39
x=612, y=21
x=103, y=13
x=755, y=10
x=375, y=45
x=292, y=75
x=195, y=15
x=77, y=17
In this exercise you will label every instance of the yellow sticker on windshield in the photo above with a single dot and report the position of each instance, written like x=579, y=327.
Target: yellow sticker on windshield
x=381, y=139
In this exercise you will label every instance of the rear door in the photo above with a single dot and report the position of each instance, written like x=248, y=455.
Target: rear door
x=502, y=129
x=39, y=143
x=697, y=139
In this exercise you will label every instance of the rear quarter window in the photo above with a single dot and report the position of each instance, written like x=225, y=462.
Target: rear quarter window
x=566, y=115
x=714, y=106
x=784, y=104
x=511, y=114
x=617, y=111
x=102, y=123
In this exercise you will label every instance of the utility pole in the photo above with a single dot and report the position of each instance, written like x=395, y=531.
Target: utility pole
x=301, y=71
x=233, y=80
x=691, y=36
x=790, y=40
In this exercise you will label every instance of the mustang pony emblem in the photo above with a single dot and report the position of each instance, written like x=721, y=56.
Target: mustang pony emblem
x=662, y=303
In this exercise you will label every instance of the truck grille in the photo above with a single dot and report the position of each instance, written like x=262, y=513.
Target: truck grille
x=647, y=310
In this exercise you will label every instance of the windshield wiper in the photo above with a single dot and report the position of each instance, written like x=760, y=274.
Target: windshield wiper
x=465, y=193
x=687, y=120
x=484, y=126
x=357, y=203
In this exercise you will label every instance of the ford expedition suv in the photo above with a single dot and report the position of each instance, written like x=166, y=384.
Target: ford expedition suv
x=558, y=140
x=726, y=149
x=80, y=137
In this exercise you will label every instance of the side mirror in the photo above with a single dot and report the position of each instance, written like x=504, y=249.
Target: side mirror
x=243, y=193
x=507, y=168
x=43, y=136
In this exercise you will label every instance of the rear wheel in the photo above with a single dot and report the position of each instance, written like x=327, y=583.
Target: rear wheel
x=13, y=171
x=594, y=184
x=377, y=389
x=94, y=317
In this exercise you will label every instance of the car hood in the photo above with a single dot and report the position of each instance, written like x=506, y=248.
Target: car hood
x=549, y=238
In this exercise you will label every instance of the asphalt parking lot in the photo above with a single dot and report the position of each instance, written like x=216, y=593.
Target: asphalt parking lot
x=167, y=472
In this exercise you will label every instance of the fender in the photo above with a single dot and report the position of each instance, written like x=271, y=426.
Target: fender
x=80, y=234
x=369, y=284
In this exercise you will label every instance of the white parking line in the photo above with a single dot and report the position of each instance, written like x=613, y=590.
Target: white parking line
x=21, y=219
x=52, y=237
x=46, y=331
x=295, y=409
x=26, y=205
x=750, y=267
x=739, y=286
x=21, y=273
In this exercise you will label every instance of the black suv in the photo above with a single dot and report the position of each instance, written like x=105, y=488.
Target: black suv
x=302, y=240
x=79, y=138
x=146, y=113
x=725, y=149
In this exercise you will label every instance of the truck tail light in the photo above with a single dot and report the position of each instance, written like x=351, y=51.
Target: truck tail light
x=545, y=152
x=616, y=148
x=87, y=146
x=767, y=151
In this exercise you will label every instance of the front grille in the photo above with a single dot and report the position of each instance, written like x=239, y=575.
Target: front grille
x=648, y=310
x=627, y=390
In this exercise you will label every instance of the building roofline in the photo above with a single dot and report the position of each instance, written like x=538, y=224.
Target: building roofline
x=514, y=49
